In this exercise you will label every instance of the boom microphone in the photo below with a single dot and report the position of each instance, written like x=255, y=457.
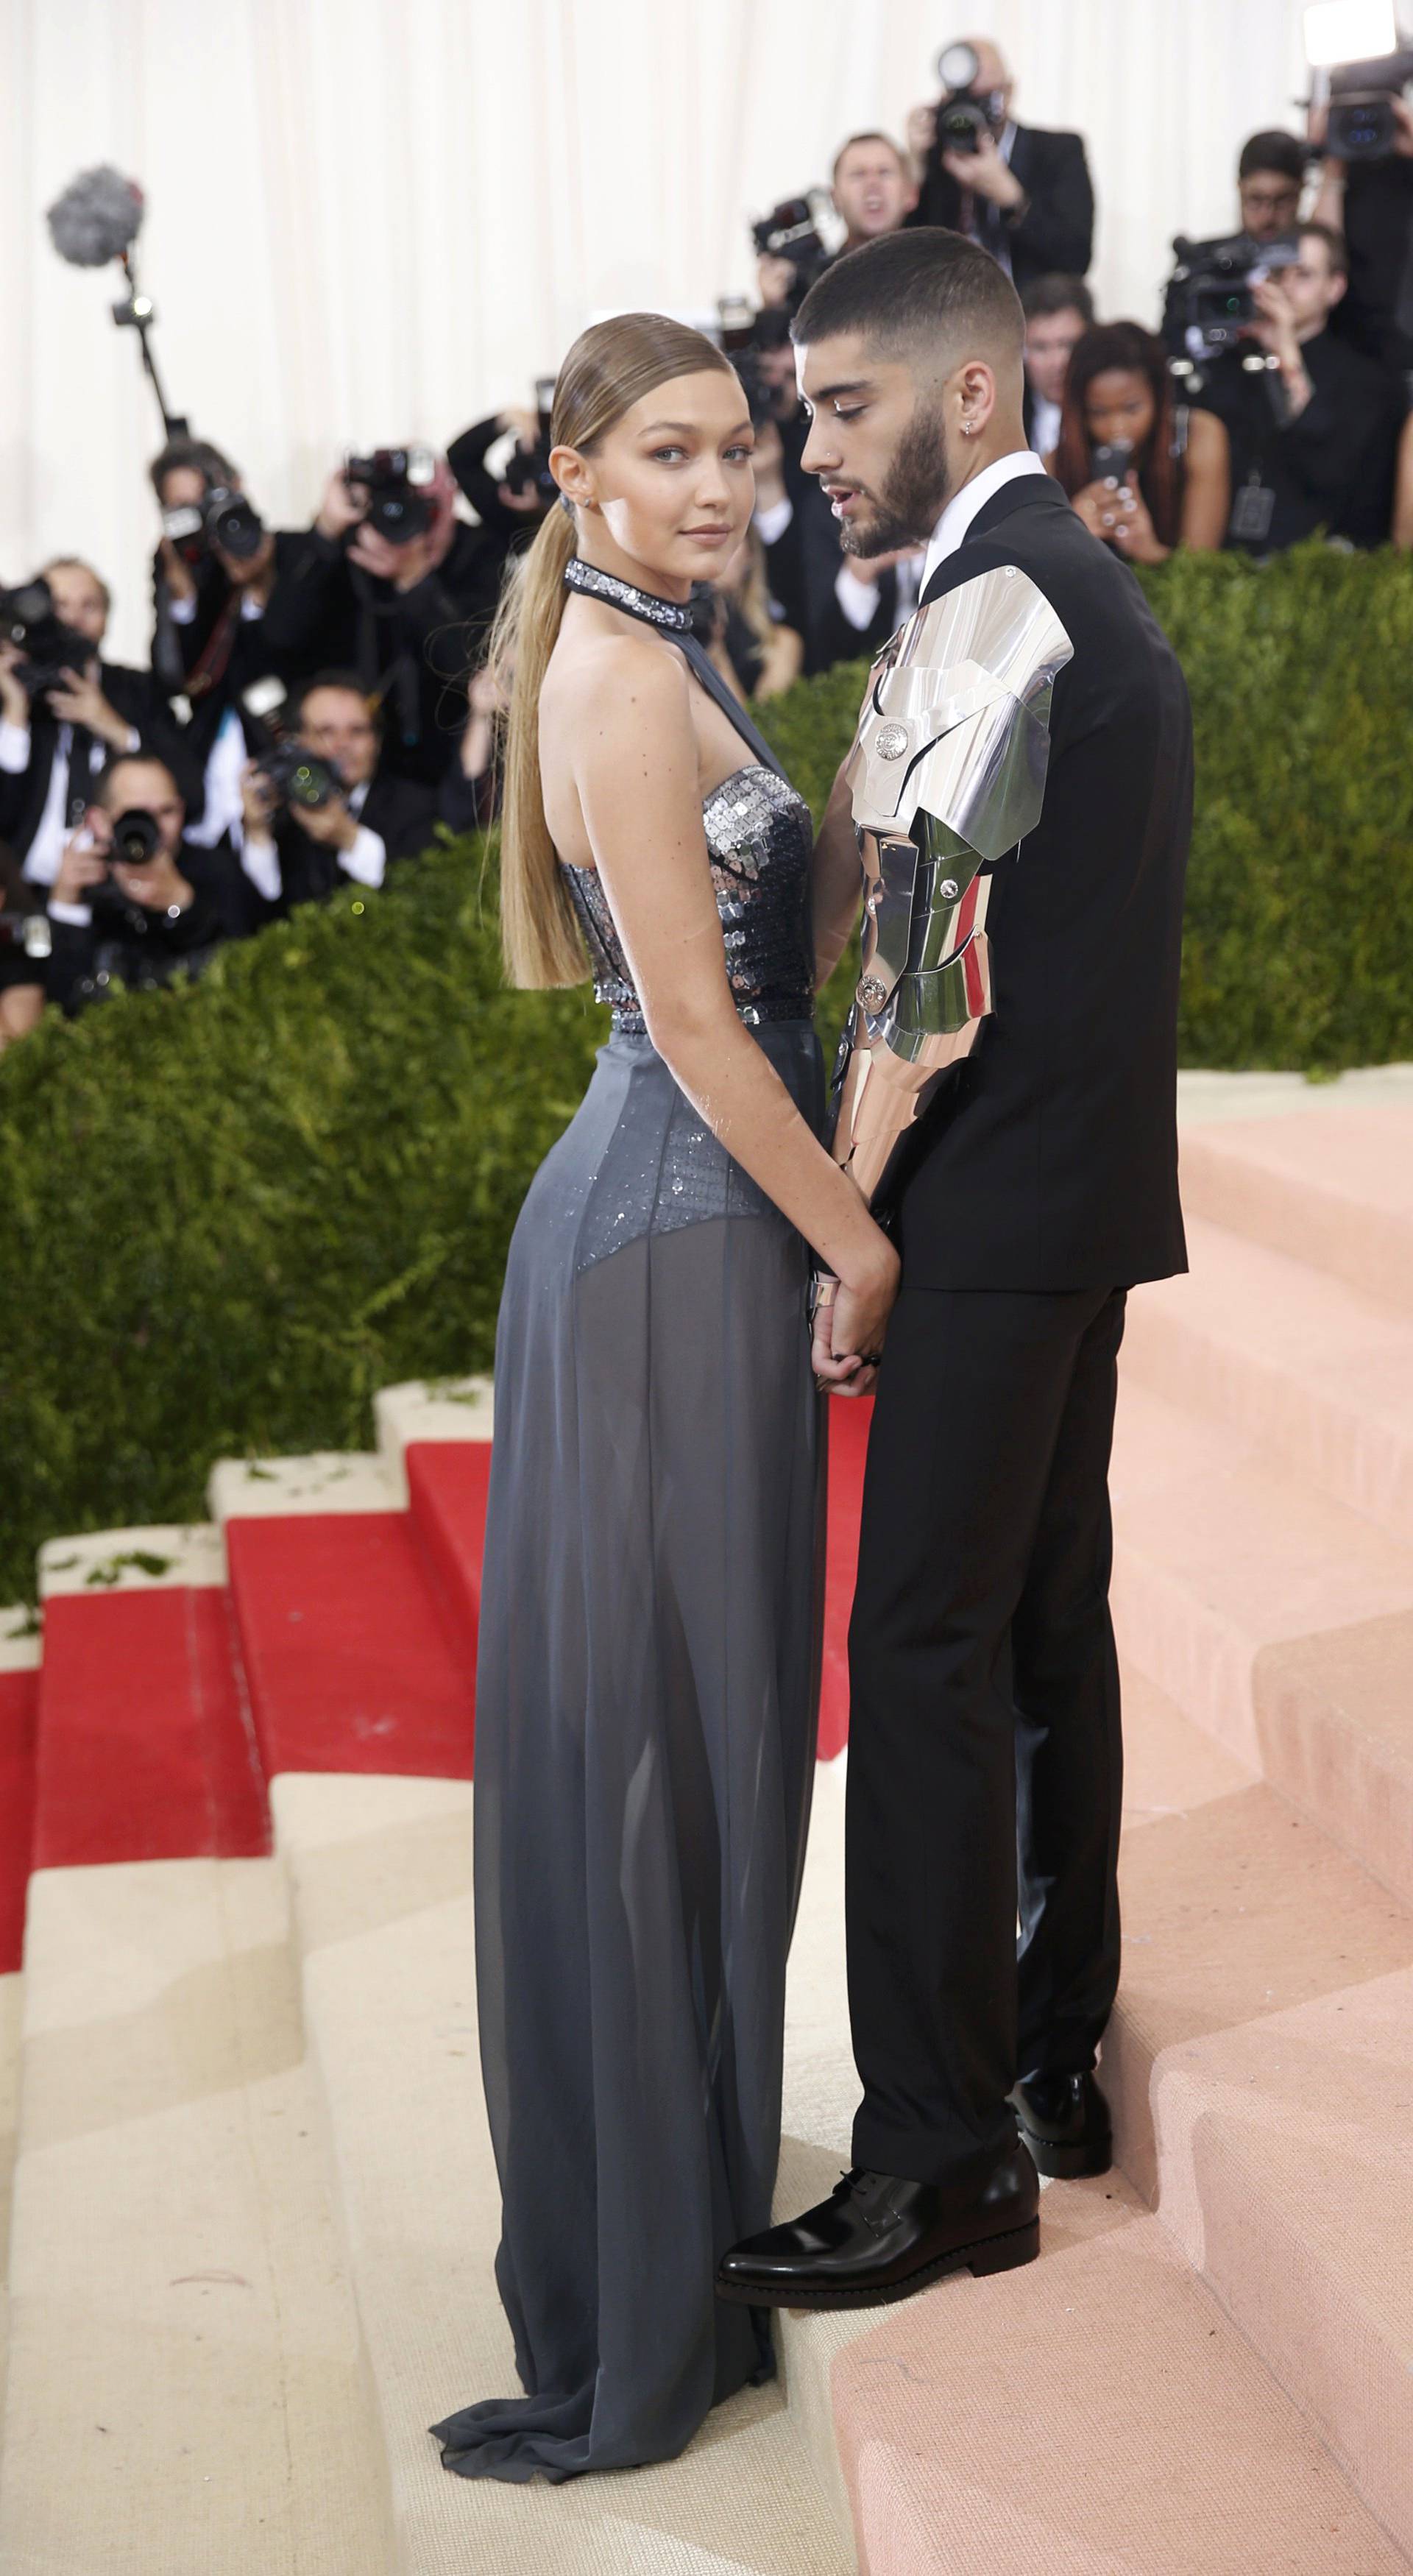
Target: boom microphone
x=98, y=217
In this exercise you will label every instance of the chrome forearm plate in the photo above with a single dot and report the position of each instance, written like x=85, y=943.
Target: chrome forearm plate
x=948, y=774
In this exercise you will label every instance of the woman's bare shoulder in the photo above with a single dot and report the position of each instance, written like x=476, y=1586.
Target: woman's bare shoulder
x=614, y=680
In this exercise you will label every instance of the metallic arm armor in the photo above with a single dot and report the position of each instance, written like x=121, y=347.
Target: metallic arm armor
x=948, y=774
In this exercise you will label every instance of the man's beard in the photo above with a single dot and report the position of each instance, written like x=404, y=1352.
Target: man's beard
x=911, y=501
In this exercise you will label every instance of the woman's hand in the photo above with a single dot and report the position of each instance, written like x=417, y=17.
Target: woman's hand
x=851, y=1321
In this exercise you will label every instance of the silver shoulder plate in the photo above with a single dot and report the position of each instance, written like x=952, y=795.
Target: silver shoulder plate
x=956, y=719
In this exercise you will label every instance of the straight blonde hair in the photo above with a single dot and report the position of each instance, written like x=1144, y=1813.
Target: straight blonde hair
x=610, y=367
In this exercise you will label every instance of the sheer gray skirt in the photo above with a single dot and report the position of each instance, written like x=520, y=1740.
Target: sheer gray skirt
x=646, y=1701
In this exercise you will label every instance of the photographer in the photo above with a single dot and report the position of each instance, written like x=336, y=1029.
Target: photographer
x=133, y=901
x=1144, y=474
x=296, y=852
x=509, y=509
x=1270, y=180
x=1370, y=204
x=1313, y=425
x=1058, y=311
x=1025, y=195
x=63, y=711
x=393, y=587
x=215, y=573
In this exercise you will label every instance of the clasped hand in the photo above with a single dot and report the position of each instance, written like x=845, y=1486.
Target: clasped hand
x=849, y=1329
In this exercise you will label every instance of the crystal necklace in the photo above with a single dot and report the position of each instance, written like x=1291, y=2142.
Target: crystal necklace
x=672, y=613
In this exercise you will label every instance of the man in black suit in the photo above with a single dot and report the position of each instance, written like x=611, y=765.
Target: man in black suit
x=1038, y=1183
x=137, y=912
x=1312, y=423
x=1025, y=195
x=53, y=749
x=298, y=854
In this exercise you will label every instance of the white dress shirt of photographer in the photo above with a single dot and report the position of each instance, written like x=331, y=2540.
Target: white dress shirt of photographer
x=336, y=724
x=81, y=601
x=252, y=578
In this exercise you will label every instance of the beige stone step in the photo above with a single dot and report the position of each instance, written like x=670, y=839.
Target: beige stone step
x=185, y=2387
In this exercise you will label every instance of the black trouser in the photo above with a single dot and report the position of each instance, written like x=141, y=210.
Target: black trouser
x=984, y=1743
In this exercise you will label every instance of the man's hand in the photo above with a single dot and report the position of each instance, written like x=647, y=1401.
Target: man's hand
x=1275, y=332
x=177, y=574
x=78, y=700
x=331, y=825
x=14, y=705
x=84, y=864
x=920, y=132
x=775, y=279
x=850, y=1325
x=403, y=566
x=341, y=508
x=1403, y=121
x=985, y=173
x=257, y=803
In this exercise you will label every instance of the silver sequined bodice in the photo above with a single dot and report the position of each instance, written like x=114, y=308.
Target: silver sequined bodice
x=760, y=838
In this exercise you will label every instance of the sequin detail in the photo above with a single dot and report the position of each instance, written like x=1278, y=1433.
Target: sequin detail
x=760, y=838
x=622, y=594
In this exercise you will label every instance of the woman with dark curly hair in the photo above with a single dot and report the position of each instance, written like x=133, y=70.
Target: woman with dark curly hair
x=1145, y=473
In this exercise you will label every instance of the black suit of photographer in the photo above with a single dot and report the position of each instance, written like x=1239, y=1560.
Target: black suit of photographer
x=24, y=794
x=1376, y=315
x=121, y=943
x=1052, y=232
x=505, y=531
x=411, y=649
x=1330, y=466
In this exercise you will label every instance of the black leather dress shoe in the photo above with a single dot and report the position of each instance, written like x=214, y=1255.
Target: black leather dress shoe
x=1064, y=2120
x=877, y=2239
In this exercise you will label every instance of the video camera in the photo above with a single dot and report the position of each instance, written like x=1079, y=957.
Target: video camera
x=965, y=112
x=806, y=231
x=49, y=647
x=1361, y=125
x=1208, y=302
x=527, y=468
x=222, y=517
x=398, y=482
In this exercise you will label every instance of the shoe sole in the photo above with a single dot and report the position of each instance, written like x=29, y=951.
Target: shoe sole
x=1067, y=2164
x=993, y=2254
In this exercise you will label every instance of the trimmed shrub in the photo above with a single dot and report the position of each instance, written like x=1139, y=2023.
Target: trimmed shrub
x=230, y=1211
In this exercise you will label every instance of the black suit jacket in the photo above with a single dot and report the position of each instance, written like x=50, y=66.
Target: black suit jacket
x=137, y=949
x=1056, y=231
x=137, y=698
x=1049, y=1158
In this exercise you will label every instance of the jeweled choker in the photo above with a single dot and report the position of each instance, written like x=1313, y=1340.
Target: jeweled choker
x=579, y=575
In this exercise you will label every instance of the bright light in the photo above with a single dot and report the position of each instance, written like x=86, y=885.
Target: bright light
x=1349, y=31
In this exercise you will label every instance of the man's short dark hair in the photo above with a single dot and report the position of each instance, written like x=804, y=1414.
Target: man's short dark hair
x=1276, y=150
x=1335, y=244
x=1057, y=293
x=869, y=134
x=199, y=454
x=924, y=286
x=349, y=680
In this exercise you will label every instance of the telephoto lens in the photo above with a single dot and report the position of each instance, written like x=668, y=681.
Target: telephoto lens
x=136, y=838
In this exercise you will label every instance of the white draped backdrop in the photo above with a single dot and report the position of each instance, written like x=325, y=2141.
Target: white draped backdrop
x=378, y=219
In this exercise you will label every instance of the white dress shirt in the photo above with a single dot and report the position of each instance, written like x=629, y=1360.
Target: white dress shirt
x=1044, y=424
x=964, y=505
x=45, y=851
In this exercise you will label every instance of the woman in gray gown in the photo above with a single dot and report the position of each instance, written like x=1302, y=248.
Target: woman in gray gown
x=650, y=1608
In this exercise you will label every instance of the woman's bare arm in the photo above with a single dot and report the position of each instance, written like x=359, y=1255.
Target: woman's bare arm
x=1206, y=500
x=837, y=882
x=635, y=768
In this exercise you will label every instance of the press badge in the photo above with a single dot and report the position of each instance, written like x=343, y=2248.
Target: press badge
x=1252, y=511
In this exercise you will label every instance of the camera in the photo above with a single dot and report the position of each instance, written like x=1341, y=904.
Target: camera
x=1361, y=124
x=1208, y=302
x=527, y=469
x=806, y=231
x=299, y=777
x=965, y=112
x=222, y=517
x=398, y=483
x=49, y=646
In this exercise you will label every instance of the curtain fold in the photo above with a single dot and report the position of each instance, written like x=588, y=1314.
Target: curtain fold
x=371, y=223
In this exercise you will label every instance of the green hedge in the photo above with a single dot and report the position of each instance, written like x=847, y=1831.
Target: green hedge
x=231, y=1211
